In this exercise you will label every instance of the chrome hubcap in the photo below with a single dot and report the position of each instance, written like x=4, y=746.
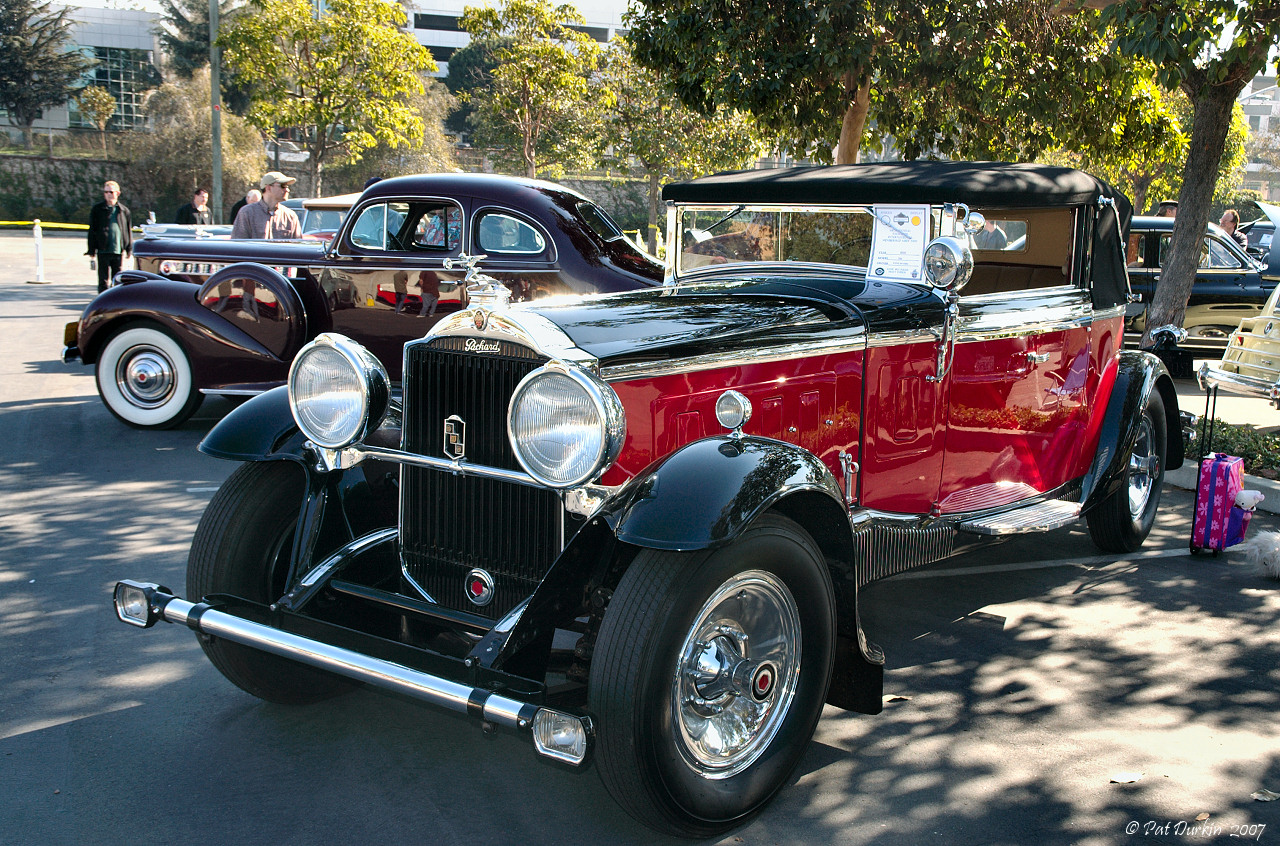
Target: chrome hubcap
x=737, y=674
x=145, y=377
x=1144, y=469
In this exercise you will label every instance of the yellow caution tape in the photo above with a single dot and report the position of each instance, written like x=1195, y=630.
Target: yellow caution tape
x=43, y=225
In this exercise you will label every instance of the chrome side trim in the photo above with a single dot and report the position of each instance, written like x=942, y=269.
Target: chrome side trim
x=676, y=366
x=1020, y=323
x=900, y=337
x=230, y=392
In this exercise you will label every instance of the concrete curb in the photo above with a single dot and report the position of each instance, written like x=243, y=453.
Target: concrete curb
x=1187, y=475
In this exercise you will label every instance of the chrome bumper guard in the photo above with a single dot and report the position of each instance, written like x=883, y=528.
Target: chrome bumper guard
x=1212, y=376
x=142, y=604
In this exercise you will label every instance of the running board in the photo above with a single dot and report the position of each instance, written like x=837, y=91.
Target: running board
x=1041, y=517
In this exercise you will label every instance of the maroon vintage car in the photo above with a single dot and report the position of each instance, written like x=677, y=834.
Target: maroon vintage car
x=215, y=316
x=635, y=528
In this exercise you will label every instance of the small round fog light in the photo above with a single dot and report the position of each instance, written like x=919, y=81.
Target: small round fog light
x=733, y=410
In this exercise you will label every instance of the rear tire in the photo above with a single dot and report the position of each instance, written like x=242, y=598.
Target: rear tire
x=242, y=548
x=1122, y=521
x=709, y=675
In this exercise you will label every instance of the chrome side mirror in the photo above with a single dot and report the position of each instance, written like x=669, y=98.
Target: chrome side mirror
x=948, y=263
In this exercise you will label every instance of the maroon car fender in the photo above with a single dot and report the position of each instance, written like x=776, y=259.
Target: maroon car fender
x=224, y=348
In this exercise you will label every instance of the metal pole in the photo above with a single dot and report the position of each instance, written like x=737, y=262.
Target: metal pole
x=215, y=98
x=38, y=236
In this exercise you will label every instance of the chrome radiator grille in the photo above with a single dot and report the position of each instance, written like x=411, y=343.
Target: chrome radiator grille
x=451, y=524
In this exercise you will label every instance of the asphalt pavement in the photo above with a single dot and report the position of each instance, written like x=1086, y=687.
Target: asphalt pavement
x=1036, y=692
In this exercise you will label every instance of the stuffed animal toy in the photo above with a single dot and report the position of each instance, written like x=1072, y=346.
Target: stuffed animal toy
x=1263, y=551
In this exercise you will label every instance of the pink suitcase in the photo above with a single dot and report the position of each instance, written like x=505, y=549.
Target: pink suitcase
x=1218, y=522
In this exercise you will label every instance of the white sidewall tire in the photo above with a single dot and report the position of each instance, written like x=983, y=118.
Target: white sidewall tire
x=181, y=401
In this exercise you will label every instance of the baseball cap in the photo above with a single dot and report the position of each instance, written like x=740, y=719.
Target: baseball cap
x=275, y=177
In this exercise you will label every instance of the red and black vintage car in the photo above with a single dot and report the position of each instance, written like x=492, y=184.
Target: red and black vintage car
x=215, y=316
x=634, y=528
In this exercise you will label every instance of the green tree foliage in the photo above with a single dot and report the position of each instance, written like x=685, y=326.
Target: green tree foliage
x=38, y=65
x=996, y=79
x=544, y=103
x=471, y=69
x=1153, y=173
x=665, y=138
x=1208, y=49
x=344, y=76
x=98, y=106
x=174, y=156
x=184, y=38
x=432, y=155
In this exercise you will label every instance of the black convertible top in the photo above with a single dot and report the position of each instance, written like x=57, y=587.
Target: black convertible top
x=974, y=183
x=981, y=185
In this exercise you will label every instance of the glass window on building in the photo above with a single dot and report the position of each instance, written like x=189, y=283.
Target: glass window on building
x=128, y=75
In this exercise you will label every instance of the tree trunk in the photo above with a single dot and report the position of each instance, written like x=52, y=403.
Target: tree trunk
x=855, y=116
x=655, y=192
x=1211, y=118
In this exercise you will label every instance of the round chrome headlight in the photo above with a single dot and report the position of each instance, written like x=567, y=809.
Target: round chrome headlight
x=948, y=263
x=565, y=425
x=338, y=391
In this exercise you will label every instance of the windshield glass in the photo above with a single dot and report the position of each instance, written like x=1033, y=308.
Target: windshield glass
x=744, y=234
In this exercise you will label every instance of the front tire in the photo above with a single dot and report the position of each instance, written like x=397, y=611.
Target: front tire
x=1122, y=521
x=144, y=378
x=709, y=675
x=242, y=548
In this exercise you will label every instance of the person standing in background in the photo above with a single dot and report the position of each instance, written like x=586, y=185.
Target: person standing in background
x=110, y=233
x=252, y=196
x=197, y=211
x=269, y=218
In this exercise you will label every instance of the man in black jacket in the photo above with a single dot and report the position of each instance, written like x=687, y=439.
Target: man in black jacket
x=110, y=233
x=197, y=211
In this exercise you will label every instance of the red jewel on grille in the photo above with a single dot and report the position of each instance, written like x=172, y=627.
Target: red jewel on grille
x=477, y=587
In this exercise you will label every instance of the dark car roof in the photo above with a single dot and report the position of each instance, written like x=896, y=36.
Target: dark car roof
x=977, y=183
x=484, y=185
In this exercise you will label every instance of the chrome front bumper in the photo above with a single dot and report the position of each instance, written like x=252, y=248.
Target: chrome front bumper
x=143, y=604
x=1213, y=376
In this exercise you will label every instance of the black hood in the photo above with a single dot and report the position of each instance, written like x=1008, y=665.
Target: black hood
x=751, y=315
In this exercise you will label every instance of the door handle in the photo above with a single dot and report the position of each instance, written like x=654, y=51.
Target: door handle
x=1037, y=358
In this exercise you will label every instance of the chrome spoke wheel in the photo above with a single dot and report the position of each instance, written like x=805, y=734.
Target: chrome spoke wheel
x=1144, y=469
x=737, y=674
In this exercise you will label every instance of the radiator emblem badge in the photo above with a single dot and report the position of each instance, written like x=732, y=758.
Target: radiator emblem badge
x=480, y=318
x=455, y=444
x=479, y=587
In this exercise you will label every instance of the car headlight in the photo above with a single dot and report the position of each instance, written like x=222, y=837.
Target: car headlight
x=338, y=391
x=565, y=425
x=948, y=263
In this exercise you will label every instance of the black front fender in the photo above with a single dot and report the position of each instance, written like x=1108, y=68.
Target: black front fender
x=259, y=429
x=1139, y=374
x=704, y=494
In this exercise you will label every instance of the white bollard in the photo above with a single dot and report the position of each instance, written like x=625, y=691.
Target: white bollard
x=38, y=237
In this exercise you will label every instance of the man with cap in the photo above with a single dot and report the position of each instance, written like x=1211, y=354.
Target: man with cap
x=269, y=217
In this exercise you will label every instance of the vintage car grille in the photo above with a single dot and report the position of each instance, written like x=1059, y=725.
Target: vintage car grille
x=451, y=524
